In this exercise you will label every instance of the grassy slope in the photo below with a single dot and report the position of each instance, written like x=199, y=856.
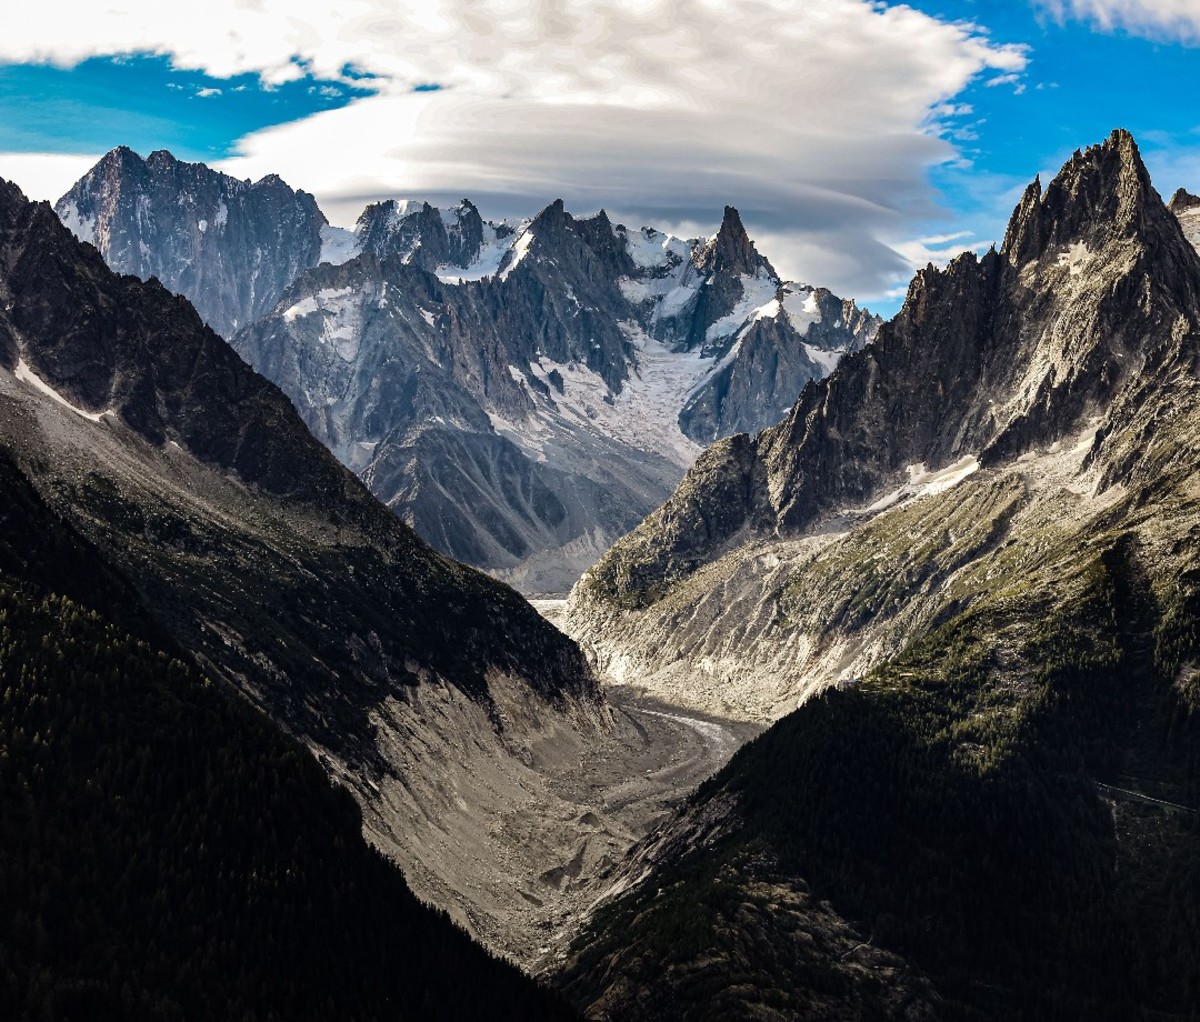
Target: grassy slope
x=948, y=805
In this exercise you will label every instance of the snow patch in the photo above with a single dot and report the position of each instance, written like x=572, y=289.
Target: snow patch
x=84, y=228
x=768, y=311
x=1074, y=258
x=519, y=251
x=824, y=358
x=757, y=293
x=341, y=318
x=203, y=225
x=487, y=262
x=222, y=215
x=338, y=245
x=676, y=300
x=650, y=249
x=802, y=309
x=923, y=483
x=644, y=415
x=26, y=375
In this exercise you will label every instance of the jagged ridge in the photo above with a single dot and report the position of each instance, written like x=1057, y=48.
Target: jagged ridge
x=1029, y=343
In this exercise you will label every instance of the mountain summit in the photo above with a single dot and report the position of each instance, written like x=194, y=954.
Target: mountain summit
x=230, y=246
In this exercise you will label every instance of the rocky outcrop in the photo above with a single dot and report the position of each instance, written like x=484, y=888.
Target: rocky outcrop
x=1186, y=208
x=229, y=246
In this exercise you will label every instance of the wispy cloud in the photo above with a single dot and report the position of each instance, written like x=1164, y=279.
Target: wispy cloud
x=1174, y=20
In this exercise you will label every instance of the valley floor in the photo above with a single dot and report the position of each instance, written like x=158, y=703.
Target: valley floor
x=518, y=841
x=657, y=755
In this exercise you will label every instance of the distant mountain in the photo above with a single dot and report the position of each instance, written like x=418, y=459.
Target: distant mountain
x=524, y=404
x=229, y=246
x=166, y=853
x=255, y=554
x=520, y=392
x=969, y=558
x=1186, y=208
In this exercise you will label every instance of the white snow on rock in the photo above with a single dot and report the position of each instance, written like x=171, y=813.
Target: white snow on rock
x=1074, y=258
x=802, y=309
x=768, y=311
x=826, y=359
x=644, y=415
x=203, y=225
x=757, y=292
x=222, y=215
x=338, y=245
x=26, y=375
x=341, y=318
x=923, y=483
x=491, y=254
x=518, y=252
x=650, y=249
x=84, y=228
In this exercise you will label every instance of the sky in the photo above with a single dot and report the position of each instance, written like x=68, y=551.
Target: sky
x=858, y=139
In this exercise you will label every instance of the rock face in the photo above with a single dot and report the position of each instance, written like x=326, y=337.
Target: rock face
x=972, y=608
x=1032, y=341
x=262, y=560
x=521, y=393
x=229, y=246
x=1186, y=208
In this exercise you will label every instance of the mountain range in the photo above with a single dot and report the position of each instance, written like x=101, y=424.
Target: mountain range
x=521, y=393
x=953, y=590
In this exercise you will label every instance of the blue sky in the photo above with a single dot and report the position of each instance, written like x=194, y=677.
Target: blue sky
x=141, y=101
x=858, y=138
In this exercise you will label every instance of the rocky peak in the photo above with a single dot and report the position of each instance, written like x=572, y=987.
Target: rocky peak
x=598, y=234
x=730, y=251
x=1102, y=192
x=227, y=245
x=552, y=222
x=1183, y=200
x=414, y=232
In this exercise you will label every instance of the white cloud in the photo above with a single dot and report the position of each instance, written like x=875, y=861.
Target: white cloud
x=44, y=176
x=1177, y=20
x=819, y=121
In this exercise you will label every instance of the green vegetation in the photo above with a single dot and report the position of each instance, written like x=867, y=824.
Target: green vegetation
x=879, y=567
x=960, y=808
x=167, y=854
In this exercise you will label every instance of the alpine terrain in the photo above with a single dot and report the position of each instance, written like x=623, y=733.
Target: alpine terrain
x=219, y=532
x=521, y=393
x=964, y=572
